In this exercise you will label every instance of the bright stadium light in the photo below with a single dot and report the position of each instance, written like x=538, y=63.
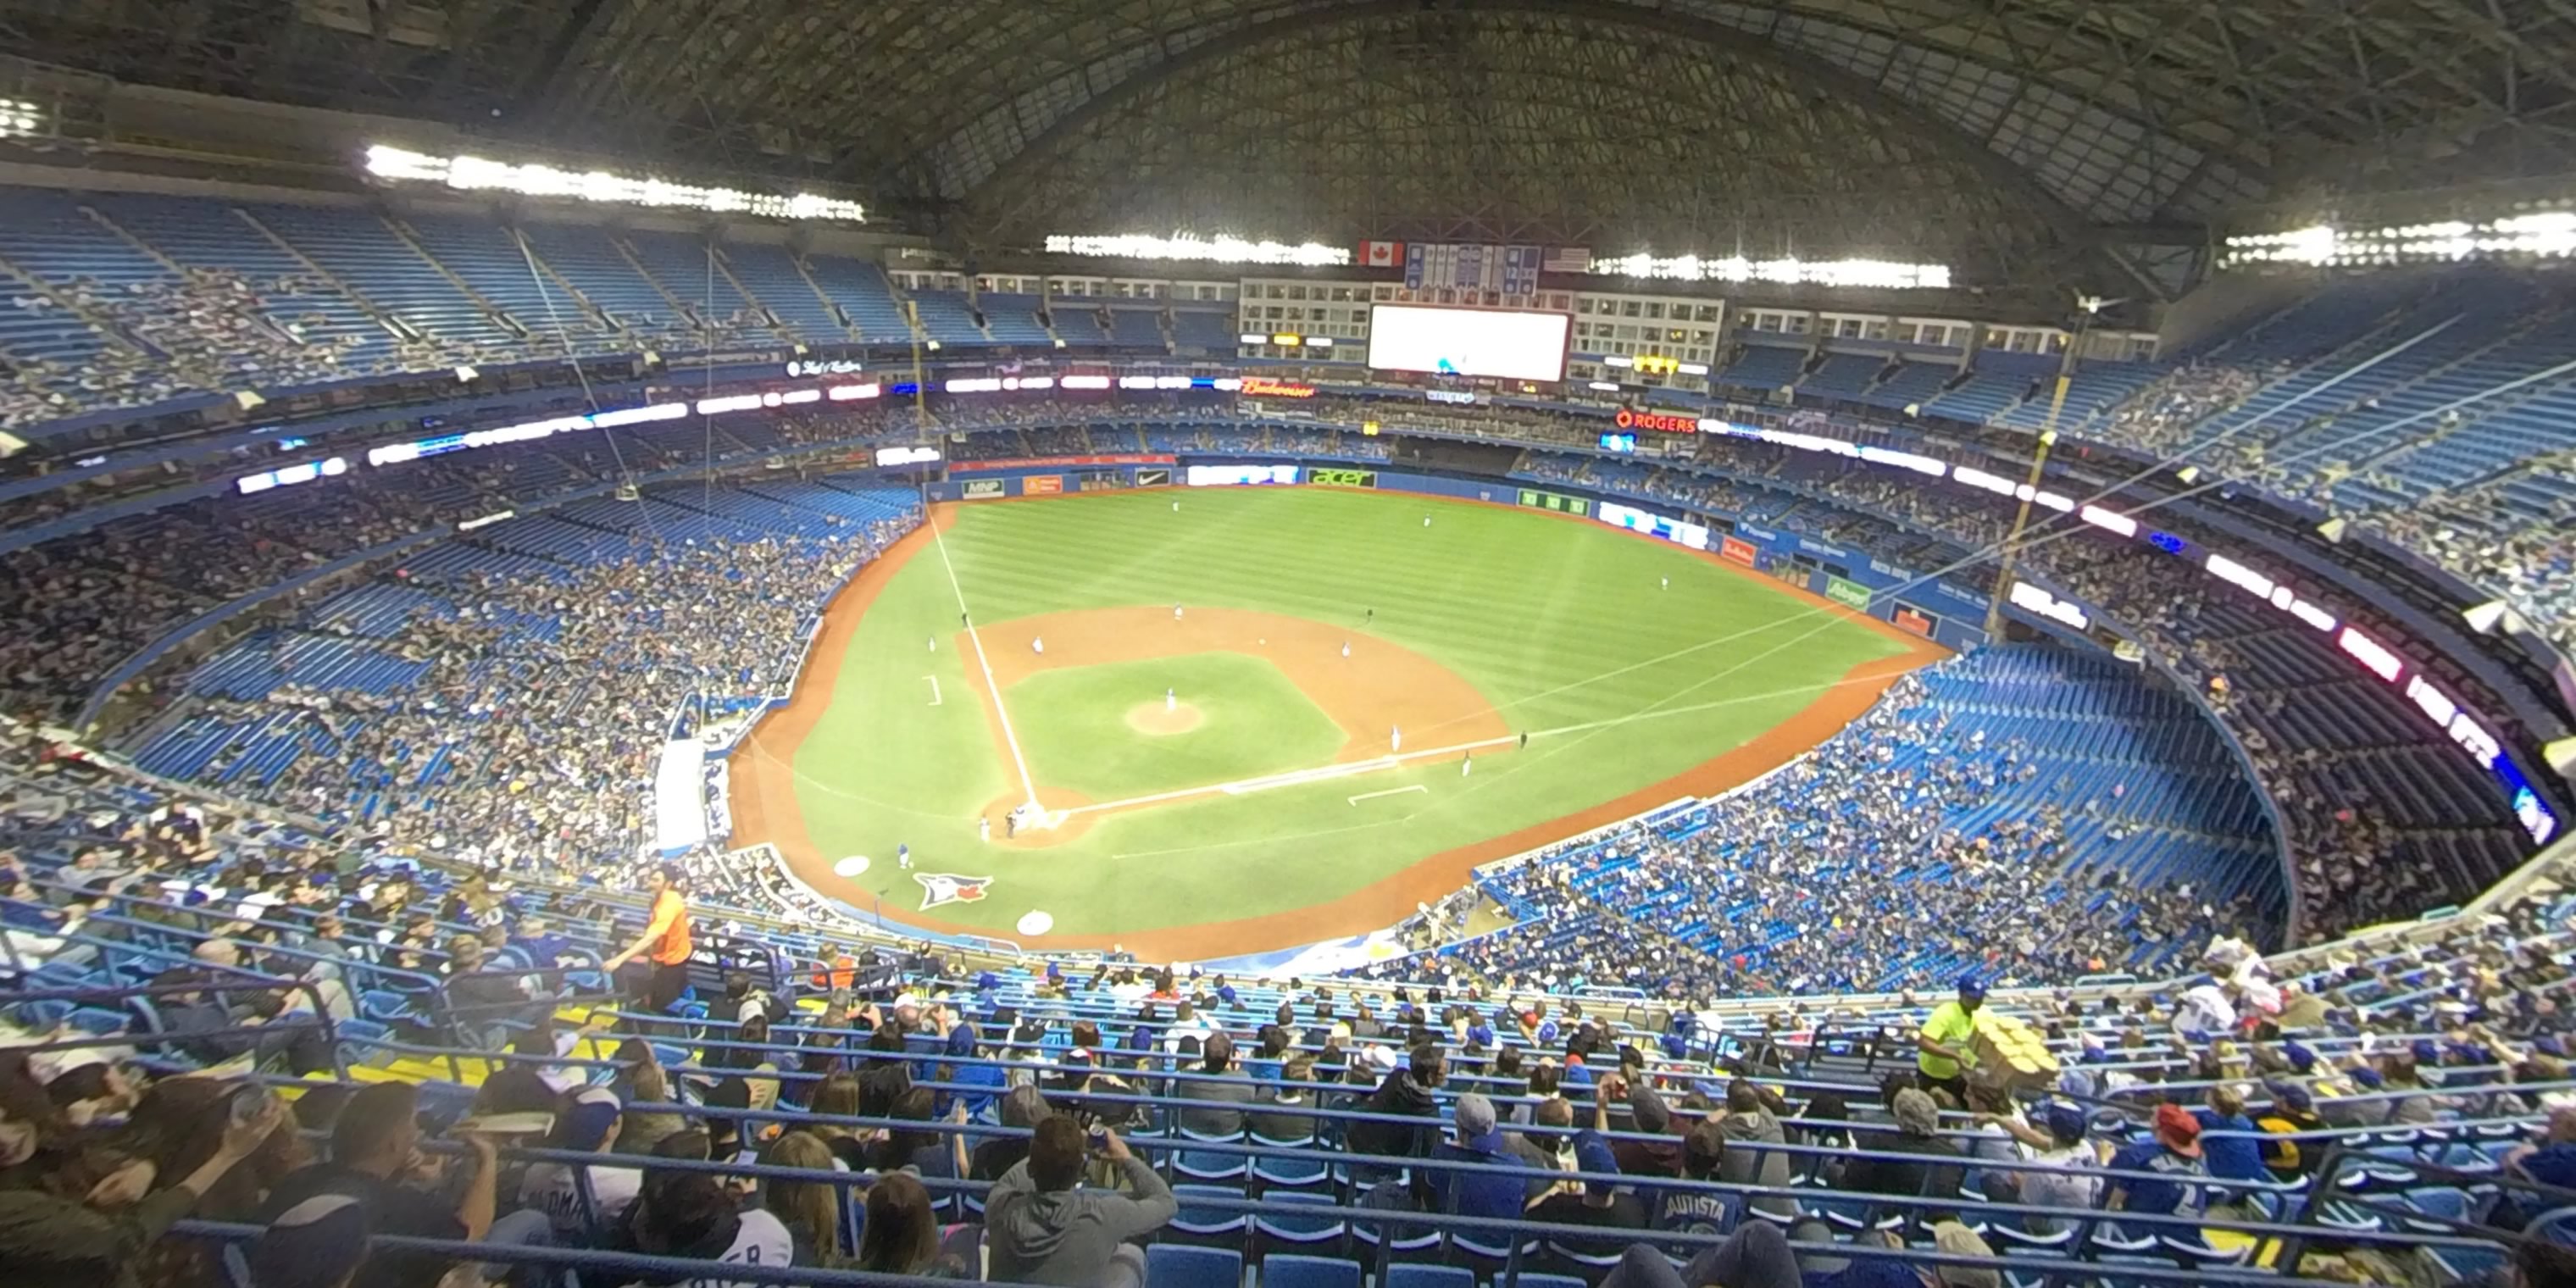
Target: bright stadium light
x=1793, y=271
x=1220, y=250
x=19, y=118
x=2542, y=234
x=479, y=174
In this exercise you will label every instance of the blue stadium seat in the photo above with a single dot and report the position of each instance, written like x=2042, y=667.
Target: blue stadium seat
x=1309, y=1272
x=1169, y=1266
x=1409, y=1275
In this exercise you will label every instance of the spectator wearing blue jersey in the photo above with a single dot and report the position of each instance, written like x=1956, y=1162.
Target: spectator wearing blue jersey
x=1694, y=1209
x=1476, y=1139
x=976, y=1084
x=2173, y=1157
x=2236, y=1155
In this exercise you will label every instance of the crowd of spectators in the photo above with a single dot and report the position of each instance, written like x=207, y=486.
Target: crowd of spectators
x=2479, y=531
x=97, y=597
x=2360, y=854
x=209, y=331
x=85, y=602
x=1810, y=1127
x=528, y=743
x=2524, y=550
x=1845, y=871
x=2159, y=419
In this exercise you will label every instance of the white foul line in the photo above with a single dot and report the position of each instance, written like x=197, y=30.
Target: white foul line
x=1298, y=777
x=934, y=689
x=1392, y=791
x=939, y=535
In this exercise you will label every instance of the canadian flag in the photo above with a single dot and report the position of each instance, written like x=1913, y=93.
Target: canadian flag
x=1381, y=254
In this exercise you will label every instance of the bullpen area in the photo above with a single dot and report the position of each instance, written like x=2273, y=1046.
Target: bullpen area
x=1256, y=718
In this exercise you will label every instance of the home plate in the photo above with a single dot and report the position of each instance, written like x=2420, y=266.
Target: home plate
x=851, y=866
x=1392, y=791
x=1036, y=923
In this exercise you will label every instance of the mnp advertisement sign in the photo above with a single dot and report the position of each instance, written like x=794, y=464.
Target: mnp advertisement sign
x=1850, y=594
x=982, y=489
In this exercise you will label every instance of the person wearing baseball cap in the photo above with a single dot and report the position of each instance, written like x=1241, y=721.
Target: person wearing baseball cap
x=1943, y=1054
x=2293, y=1111
x=2062, y=1179
x=1602, y=1204
x=2173, y=1156
x=588, y=1124
x=1476, y=1138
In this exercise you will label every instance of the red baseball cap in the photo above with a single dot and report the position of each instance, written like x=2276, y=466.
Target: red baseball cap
x=2179, y=1131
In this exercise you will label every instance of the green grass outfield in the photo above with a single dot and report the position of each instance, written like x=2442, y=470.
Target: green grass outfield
x=1557, y=623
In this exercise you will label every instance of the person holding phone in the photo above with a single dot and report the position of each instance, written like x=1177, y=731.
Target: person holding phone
x=376, y=1159
x=1044, y=1228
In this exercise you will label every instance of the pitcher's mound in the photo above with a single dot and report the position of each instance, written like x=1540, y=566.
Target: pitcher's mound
x=1153, y=720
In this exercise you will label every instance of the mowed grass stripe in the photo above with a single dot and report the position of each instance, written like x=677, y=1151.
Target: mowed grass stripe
x=1537, y=612
x=1454, y=601
x=1024, y=569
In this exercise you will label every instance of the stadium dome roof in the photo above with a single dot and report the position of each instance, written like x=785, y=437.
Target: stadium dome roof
x=2007, y=136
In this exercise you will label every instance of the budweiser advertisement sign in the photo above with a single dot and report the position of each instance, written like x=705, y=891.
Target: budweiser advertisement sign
x=1261, y=387
x=1658, y=422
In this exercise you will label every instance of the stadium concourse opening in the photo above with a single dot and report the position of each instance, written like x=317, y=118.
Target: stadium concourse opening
x=1378, y=759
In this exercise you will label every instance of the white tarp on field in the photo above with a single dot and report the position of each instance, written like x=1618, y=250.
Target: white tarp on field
x=680, y=796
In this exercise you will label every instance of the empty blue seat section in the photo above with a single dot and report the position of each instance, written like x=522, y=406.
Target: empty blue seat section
x=588, y=262
x=946, y=317
x=488, y=258
x=1136, y=328
x=358, y=248
x=772, y=276
x=862, y=293
x=1013, y=319
x=1203, y=331
x=1996, y=380
x=1842, y=375
x=1763, y=367
x=1910, y=385
x=688, y=271
x=1080, y=320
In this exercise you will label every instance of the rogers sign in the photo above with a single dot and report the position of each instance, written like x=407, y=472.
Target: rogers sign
x=1630, y=418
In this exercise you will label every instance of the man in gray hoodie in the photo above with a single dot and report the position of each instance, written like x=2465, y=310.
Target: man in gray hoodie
x=1751, y=1121
x=1044, y=1228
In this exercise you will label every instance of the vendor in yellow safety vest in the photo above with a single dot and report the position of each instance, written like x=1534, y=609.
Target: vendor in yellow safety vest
x=1944, y=1047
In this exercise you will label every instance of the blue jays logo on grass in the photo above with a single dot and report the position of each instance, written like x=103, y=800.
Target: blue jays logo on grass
x=943, y=887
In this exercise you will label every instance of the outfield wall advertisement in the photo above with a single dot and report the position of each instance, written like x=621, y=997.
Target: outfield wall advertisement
x=1058, y=462
x=1841, y=590
x=1558, y=502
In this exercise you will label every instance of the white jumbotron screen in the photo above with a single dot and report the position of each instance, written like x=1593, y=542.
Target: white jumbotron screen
x=1501, y=343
